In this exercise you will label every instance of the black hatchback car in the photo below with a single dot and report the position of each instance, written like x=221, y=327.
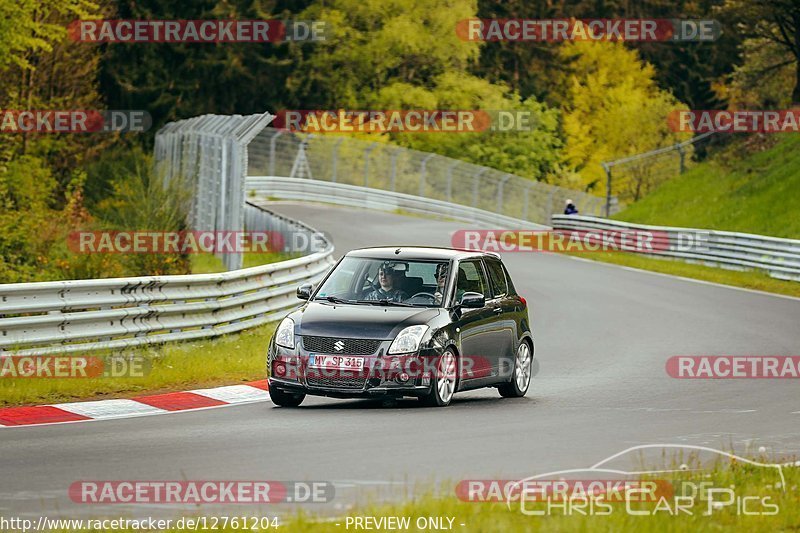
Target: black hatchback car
x=404, y=321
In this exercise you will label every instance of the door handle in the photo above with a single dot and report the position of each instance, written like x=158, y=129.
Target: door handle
x=497, y=310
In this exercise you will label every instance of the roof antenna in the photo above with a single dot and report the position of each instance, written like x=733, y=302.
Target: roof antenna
x=397, y=251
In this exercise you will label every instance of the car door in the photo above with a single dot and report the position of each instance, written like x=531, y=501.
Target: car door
x=476, y=328
x=504, y=310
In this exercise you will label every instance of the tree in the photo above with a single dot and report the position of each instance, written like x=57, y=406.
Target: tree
x=613, y=108
x=777, y=21
x=43, y=69
x=375, y=43
x=534, y=154
x=764, y=80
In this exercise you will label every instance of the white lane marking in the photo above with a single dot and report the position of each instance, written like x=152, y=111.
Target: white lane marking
x=671, y=276
x=109, y=408
x=682, y=409
x=234, y=393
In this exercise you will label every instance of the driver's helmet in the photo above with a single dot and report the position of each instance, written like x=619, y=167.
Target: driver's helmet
x=388, y=268
x=441, y=270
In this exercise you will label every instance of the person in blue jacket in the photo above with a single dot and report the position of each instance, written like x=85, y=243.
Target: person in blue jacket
x=570, y=208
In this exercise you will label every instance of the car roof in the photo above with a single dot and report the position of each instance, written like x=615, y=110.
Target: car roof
x=418, y=252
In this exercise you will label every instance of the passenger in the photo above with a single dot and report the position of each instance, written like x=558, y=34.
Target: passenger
x=388, y=278
x=442, y=270
x=441, y=279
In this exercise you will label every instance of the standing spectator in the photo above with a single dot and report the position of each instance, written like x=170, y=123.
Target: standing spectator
x=570, y=209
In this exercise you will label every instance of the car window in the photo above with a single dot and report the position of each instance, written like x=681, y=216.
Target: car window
x=497, y=278
x=511, y=290
x=470, y=278
x=357, y=279
x=426, y=271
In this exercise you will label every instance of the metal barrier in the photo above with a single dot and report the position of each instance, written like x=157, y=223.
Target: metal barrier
x=354, y=196
x=386, y=167
x=85, y=315
x=780, y=258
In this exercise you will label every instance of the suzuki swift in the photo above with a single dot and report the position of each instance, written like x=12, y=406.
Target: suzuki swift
x=404, y=321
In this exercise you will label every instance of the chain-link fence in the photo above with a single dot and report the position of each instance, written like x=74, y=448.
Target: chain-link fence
x=631, y=178
x=387, y=167
x=209, y=155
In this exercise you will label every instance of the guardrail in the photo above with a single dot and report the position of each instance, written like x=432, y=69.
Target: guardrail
x=85, y=315
x=356, y=196
x=392, y=168
x=780, y=258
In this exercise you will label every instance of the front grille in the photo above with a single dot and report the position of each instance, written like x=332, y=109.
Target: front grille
x=351, y=346
x=341, y=381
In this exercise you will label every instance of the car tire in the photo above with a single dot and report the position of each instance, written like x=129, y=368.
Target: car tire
x=282, y=398
x=522, y=374
x=445, y=383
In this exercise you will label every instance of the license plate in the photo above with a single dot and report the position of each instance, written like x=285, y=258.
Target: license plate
x=337, y=362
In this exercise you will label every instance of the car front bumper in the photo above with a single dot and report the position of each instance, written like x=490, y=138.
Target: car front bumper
x=378, y=379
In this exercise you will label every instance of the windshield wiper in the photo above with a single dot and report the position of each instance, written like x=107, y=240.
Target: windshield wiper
x=335, y=300
x=386, y=302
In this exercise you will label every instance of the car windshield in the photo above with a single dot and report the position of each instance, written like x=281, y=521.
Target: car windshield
x=386, y=281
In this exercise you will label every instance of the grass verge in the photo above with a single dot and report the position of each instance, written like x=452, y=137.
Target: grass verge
x=756, y=193
x=756, y=280
x=688, y=505
x=226, y=360
x=760, y=485
x=211, y=264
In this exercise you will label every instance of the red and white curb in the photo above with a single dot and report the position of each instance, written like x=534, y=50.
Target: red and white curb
x=255, y=391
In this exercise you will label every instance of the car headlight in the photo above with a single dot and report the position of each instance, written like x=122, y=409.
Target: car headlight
x=284, y=335
x=408, y=340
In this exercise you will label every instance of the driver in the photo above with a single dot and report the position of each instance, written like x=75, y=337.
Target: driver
x=388, y=279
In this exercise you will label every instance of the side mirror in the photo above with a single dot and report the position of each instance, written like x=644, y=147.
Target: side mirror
x=472, y=300
x=304, y=291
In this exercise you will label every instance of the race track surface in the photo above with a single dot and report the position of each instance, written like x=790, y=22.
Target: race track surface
x=603, y=335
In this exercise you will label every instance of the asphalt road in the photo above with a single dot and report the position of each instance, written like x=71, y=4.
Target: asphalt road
x=603, y=335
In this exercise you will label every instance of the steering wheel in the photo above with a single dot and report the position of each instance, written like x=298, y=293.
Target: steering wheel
x=425, y=294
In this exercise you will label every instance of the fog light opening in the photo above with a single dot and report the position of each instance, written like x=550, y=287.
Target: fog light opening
x=402, y=377
x=280, y=369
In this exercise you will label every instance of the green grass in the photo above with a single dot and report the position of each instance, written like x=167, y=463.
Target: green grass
x=497, y=517
x=226, y=360
x=752, y=193
x=210, y=264
x=757, y=193
x=749, y=481
x=746, y=481
x=756, y=280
